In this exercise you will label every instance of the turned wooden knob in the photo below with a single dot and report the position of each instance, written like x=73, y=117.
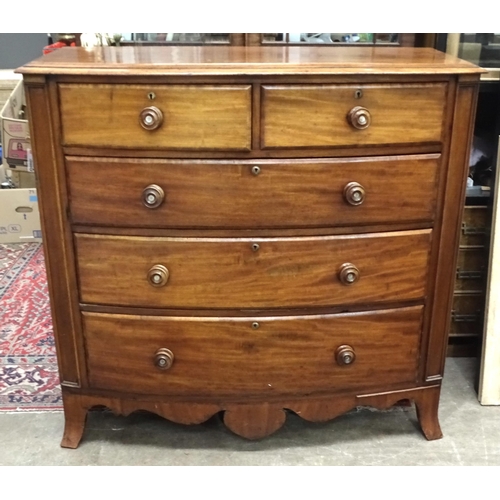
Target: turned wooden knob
x=354, y=193
x=164, y=358
x=345, y=355
x=153, y=196
x=359, y=117
x=348, y=273
x=151, y=118
x=158, y=275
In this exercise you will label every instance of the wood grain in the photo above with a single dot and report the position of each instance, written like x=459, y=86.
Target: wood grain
x=457, y=171
x=252, y=421
x=253, y=313
x=427, y=405
x=201, y=117
x=75, y=416
x=211, y=194
x=224, y=273
x=210, y=60
x=475, y=226
x=312, y=116
x=57, y=238
x=285, y=355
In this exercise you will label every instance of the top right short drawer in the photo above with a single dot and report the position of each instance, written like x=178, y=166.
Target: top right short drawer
x=309, y=116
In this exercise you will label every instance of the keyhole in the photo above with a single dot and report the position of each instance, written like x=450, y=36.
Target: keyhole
x=358, y=94
x=151, y=96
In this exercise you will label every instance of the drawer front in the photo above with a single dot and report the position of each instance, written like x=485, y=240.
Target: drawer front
x=320, y=115
x=231, y=357
x=471, y=268
x=261, y=194
x=201, y=117
x=252, y=273
x=467, y=314
x=475, y=226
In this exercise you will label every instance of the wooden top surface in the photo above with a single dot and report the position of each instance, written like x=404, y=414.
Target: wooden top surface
x=217, y=60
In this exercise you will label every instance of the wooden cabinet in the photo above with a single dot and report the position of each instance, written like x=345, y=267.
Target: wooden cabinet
x=281, y=39
x=250, y=230
x=467, y=315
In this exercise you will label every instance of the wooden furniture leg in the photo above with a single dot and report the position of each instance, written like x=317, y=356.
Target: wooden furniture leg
x=75, y=415
x=427, y=404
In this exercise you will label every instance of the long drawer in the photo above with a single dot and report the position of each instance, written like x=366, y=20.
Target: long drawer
x=252, y=273
x=269, y=356
x=345, y=115
x=258, y=194
x=199, y=117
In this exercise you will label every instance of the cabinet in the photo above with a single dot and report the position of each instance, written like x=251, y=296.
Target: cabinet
x=468, y=314
x=281, y=39
x=250, y=230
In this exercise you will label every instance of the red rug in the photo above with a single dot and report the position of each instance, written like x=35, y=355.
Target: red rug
x=28, y=366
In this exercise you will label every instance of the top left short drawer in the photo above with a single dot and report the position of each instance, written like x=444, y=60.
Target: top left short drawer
x=184, y=117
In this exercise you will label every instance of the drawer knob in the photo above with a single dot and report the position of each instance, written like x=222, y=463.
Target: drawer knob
x=345, y=355
x=164, y=358
x=153, y=196
x=354, y=193
x=359, y=117
x=151, y=118
x=348, y=273
x=158, y=275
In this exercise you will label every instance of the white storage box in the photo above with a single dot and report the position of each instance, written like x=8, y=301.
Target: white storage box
x=19, y=216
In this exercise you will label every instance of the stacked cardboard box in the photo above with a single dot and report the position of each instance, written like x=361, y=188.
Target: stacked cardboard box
x=19, y=216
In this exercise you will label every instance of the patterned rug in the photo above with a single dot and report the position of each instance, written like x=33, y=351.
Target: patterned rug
x=28, y=367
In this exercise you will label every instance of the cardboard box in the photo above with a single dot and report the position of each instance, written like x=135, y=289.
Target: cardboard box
x=22, y=180
x=19, y=216
x=15, y=132
x=8, y=82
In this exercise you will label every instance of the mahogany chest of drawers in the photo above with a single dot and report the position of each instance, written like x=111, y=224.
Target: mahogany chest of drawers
x=250, y=230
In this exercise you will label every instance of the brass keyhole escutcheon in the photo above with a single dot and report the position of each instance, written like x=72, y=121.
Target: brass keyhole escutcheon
x=255, y=325
x=255, y=170
x=255, y=247
x=151, y=96
x=345, y=355
x=358, y=94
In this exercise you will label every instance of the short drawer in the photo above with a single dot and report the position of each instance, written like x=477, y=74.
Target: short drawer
x=467, y=314
x=252, y=273
x=475, y=226
x=199, y=117
x=258, y=194
x=472, y=265
x=241, y=357
x=347, y=115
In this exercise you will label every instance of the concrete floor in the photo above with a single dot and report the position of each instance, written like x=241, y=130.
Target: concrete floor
x=362, y=437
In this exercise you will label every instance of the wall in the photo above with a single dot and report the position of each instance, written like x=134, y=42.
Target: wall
x=17, y=49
